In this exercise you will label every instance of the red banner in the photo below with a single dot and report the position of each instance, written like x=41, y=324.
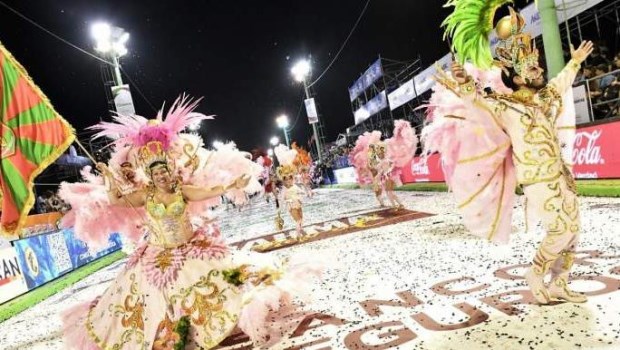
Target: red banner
x=597, y=152
x=420, y=171
x=596, y=156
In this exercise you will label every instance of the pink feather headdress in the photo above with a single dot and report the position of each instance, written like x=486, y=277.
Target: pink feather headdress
x=138, y=132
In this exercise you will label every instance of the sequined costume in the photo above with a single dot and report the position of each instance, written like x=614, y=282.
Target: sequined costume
x=183, y=287
x=379, y=163
x=492, y=140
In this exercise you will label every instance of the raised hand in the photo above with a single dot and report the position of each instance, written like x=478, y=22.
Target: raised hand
x=458, y=72
x=583, y=51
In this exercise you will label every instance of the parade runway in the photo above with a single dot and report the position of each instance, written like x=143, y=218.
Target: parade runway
x=409, y=280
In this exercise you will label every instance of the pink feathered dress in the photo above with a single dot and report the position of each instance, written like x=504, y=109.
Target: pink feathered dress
x=180, y=272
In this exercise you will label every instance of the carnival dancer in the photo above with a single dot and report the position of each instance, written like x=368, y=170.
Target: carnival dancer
x=303, y=163
x=379, y=163
x=182, y=287
x=290, y=193
x=519, y=131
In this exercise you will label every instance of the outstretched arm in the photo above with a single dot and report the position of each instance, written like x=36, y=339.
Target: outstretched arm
x=564, y=80
x=115, y=196
x=196, y=194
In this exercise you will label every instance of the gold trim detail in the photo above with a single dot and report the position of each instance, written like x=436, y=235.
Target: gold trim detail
x=484, y=155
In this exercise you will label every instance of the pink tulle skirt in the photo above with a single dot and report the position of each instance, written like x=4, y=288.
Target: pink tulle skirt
x=158, y=287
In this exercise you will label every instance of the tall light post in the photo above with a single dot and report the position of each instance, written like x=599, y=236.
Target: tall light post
x=282, y=122
x=110, y=41
x=301, y=72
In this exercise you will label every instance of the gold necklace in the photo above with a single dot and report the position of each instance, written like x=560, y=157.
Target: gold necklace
x=525, y=96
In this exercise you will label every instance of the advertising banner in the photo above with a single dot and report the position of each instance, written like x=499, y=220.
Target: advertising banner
x=372, y=74
x=421, y=169
x=122, y=100
x=42, y=258
x=582, y=109
x=79, y=252
x=596, y=154
x=6, y=243
x=345, y=175
x=313, y=116
x=41, y=223
x=402, y=95
x=12, y=281
x=371, y=108
x=424, y=81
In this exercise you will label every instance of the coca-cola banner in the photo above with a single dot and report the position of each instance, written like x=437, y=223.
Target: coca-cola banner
x=422, y=169
x=596, y=155
x=597, y=152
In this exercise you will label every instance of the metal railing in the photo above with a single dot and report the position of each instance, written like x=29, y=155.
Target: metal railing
x=603, y=106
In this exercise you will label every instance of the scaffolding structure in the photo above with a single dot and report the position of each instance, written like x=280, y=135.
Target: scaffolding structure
x=394, y=74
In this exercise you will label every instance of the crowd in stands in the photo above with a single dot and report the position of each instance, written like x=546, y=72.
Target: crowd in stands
x=601, y=71
x=49, y=201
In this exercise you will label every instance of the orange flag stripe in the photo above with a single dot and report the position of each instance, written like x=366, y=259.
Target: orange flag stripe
x=45, y=132
x=21, y=163
x=23, y=98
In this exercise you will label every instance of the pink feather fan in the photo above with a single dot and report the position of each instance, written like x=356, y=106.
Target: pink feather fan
x=358, y=157
x=402, y=145
x=476, y=159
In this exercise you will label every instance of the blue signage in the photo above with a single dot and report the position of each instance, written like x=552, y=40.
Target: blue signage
x=44, y=257
x=78, y=250
x=372, y=74
x=37, y=260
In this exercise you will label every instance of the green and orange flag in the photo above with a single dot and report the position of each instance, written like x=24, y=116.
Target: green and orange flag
x=32, y=136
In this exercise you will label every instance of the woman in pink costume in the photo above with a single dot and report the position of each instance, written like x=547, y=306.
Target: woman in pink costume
x=182, y=287
x=379, y=163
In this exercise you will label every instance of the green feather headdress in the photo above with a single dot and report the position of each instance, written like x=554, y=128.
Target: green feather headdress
x=469, y=26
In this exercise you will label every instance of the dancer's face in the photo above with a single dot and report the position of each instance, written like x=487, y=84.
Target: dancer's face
x=161, y=176
x=381, y=153
x=288, y=181
x=533, y=78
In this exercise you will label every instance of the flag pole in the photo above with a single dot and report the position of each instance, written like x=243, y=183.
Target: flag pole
x=90, y=156
x=92, y=159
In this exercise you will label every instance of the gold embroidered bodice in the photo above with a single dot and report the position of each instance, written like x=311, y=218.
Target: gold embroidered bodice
x=531, y=125
x=169, y=226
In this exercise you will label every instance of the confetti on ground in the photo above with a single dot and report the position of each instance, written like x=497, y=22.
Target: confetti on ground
x=418, y=284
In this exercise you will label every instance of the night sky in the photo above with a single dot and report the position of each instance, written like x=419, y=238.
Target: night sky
x=236, y=54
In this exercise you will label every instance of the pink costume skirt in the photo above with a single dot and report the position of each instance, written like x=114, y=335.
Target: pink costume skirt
x=160, y=289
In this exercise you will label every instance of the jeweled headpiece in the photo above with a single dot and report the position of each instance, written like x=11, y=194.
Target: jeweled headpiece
x=471, y=24
x=286, y=158
x=285, y=171
x=515, y=49
x=152, y=138
x=151, y=153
